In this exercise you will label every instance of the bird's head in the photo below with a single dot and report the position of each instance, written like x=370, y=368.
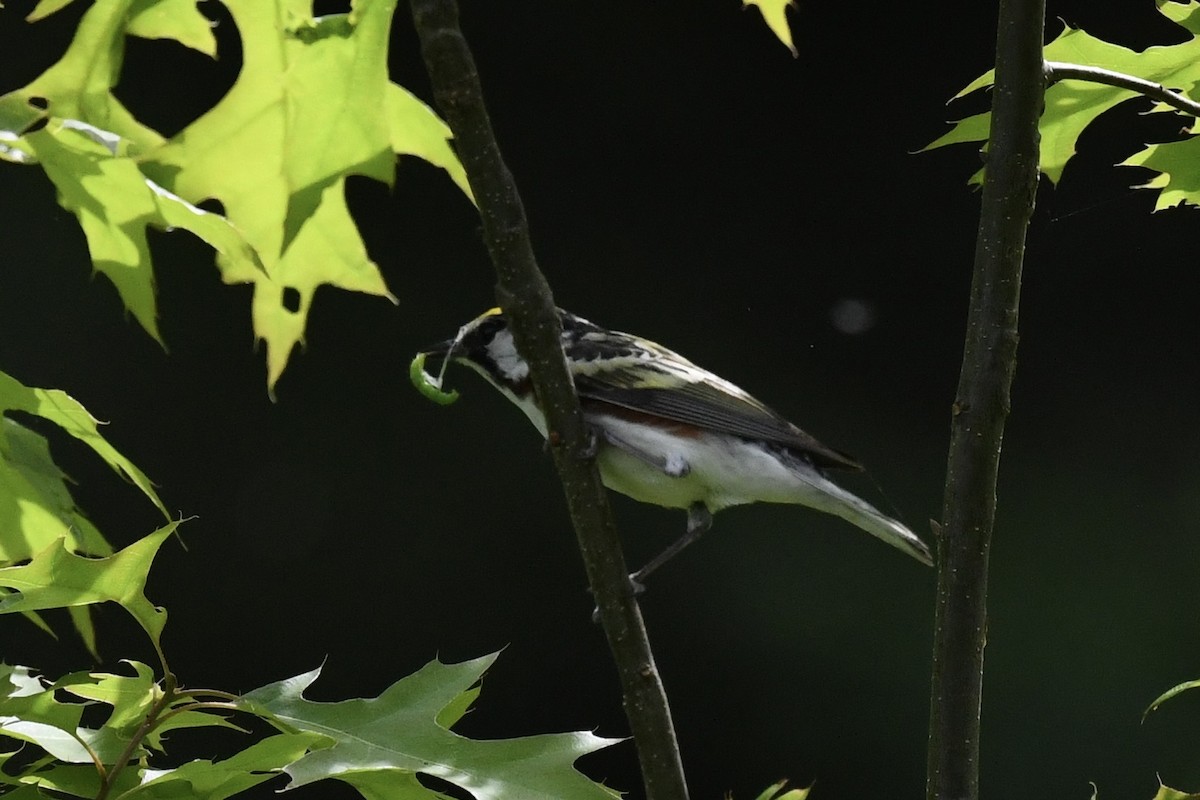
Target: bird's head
x=485, y=344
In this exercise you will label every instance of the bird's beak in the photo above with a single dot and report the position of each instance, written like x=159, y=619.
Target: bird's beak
x=442, y=350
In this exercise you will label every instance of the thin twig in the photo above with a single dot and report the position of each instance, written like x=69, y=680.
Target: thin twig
x=981, y=404
x=1057, y=70
x=526, y=299
x=148, y=724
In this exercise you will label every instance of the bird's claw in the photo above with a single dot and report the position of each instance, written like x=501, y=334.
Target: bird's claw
x=636, y=587
x=592, y=447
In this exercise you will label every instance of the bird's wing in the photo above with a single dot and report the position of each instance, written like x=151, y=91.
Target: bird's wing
x=681, y=392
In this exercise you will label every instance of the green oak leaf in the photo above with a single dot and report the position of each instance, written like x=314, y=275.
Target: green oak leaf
x=78, y=780
x=1178, y=175
x=398, y=733
x=31, y=712
x=179, y=20
x=154, y=19
x=115, y=203
x=178, y=720
x=1168, y=694
x=775, y=15
x=77, y=746
x=35, y=506
x=208, y=780
x=131, y=697
x=1072, y=105
x=312, y=105
x=25, y=696
x=58, y=578
x=1167, y=793
x=79, y=85
x=18, y=681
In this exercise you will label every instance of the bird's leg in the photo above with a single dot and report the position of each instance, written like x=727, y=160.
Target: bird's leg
x=699, y=520
x=593, y=443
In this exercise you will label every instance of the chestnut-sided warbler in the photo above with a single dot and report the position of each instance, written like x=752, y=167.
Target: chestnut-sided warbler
x=670, y=433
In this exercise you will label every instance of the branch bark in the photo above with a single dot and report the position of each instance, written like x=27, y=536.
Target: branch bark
x=525, y=296
x=982, y=404
x=1059, y=70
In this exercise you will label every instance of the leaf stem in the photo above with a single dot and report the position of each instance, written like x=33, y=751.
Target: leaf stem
x=196, y=707
x=193, y=693
x=1058, y=70
x=982, y=403
x=152, y=719
x=526, y=298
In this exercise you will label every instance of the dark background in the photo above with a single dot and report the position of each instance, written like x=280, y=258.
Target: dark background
x=689, y=180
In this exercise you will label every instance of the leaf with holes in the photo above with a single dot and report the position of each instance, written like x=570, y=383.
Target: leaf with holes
x=386, y=741
x=312, y=105
x=79, y=85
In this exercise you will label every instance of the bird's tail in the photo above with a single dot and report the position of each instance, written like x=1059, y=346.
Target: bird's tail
x=852, y=508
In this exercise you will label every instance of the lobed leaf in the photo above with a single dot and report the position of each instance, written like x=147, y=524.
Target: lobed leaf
x=179, y=20
x=381, y=744
x=36, y=507
x=57, y=578
x=186, y=719
x=77, y=780
x=1072, y=105
x=1167, y=793
x=69, y=414
x=312, y=105
x=775, y=15
x=209, y=780
x=131, y=698
x=304, y=113
x=79, y=85
x=115, y=203
x=25, y=696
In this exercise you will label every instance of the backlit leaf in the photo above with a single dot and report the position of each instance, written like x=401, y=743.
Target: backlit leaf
x=775, y=15
x=1072, y=105
x=57, y=578
x=35, y=507
x=115, y=203
x=311, y=106
x=79, y=85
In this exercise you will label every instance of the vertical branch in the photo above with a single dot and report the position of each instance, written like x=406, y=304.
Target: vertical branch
x=982, y=403
x=526, y=299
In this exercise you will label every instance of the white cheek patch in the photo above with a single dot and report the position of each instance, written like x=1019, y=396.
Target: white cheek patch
x=506, y=358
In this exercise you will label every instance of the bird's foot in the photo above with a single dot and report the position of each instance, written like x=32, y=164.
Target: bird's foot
x=636, y=587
